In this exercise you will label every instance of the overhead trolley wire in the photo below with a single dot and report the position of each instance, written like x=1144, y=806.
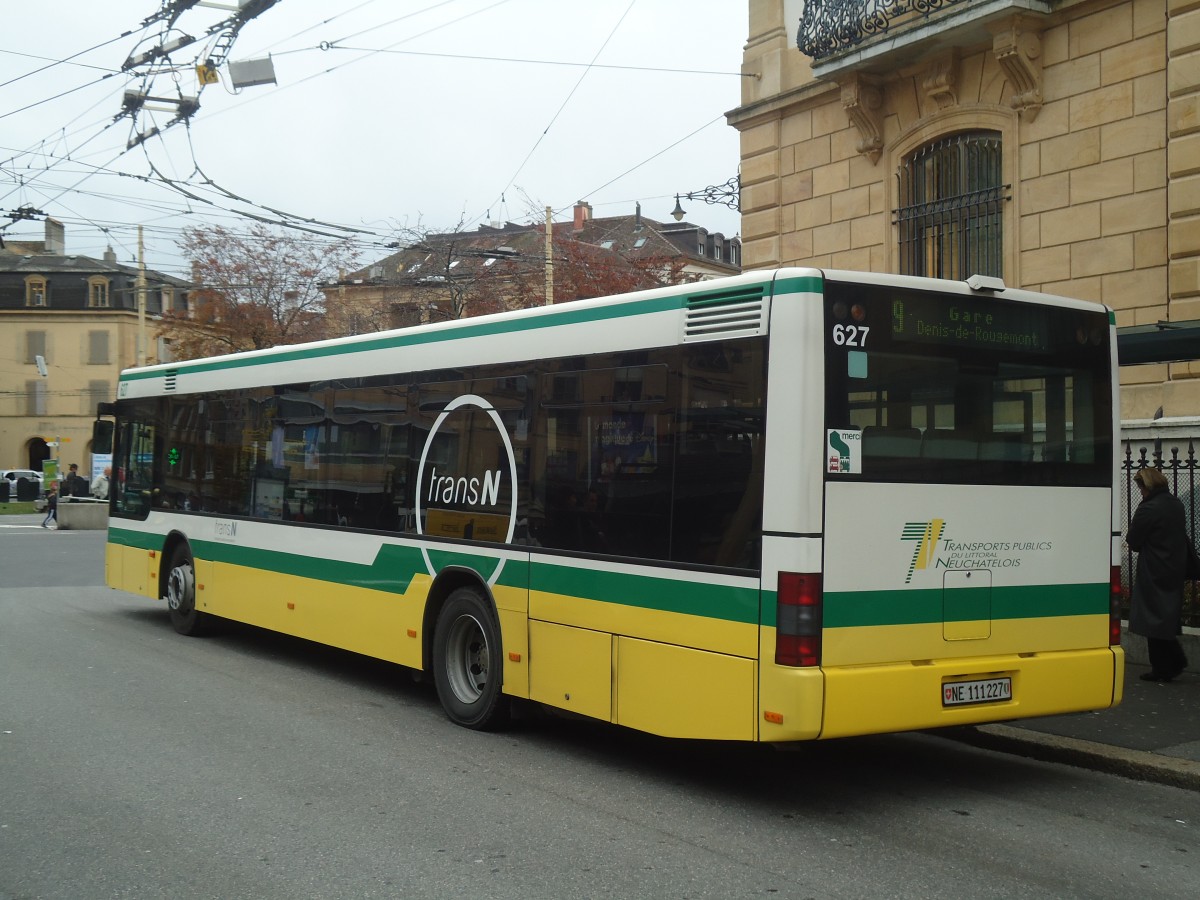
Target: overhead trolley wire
x=648, y=159
x=59, y=62
x=561, y=107
x=540, y=62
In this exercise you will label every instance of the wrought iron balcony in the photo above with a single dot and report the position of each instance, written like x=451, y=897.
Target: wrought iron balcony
x=831, y=27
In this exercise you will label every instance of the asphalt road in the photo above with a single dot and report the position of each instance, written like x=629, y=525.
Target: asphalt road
x=135, y=763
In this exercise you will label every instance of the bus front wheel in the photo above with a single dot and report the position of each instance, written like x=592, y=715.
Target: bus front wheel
x=467, y=667
x=181, y=595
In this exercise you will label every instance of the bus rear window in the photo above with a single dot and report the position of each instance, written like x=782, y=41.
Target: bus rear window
x=968, y=390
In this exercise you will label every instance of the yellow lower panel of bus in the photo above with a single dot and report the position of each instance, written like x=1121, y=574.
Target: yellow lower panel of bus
x=683, y=693
x=514, y=640
x=937, y=640
x=791, y=700
x=658, y=688
x=705, y=632
x=131, y=569
x=373, y=623
x=908, y=696
x=571, y=668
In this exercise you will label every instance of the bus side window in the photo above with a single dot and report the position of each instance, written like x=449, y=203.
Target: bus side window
x=949, y=444
x=879, y=440
x=1006, y=448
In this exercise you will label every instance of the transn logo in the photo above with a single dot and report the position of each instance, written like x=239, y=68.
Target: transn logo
x=926, y=534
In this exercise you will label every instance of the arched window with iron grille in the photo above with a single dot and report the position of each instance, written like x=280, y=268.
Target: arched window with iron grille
x=951, y=213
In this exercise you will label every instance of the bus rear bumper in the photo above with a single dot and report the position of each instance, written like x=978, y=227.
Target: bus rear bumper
x=912, y=696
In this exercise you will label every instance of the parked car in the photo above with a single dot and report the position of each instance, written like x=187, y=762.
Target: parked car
x=15, y=477
x=28, y=474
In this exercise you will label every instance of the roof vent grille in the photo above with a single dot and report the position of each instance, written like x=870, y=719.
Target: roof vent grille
x=169, y=379
x=736, y=312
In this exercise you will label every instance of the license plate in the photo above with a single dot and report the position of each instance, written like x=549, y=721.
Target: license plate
x=979, y=690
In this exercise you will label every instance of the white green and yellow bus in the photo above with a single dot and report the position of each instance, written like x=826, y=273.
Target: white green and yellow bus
x=782, y=506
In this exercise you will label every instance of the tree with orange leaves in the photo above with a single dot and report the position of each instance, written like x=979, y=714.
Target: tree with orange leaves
x=254, y=289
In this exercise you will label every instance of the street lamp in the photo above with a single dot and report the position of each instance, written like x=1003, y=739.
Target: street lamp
x=729, y=194
x=44, y=371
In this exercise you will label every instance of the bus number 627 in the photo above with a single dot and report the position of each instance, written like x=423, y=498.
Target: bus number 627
x=850, y=335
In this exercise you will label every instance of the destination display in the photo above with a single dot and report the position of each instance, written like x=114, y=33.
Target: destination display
x=949, y=320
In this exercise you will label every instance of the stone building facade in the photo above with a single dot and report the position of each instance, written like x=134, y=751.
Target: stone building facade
x=1090, y=110
x=80, y=316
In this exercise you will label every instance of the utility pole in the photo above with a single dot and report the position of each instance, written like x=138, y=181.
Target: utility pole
x=141, y=301
x=549, y=257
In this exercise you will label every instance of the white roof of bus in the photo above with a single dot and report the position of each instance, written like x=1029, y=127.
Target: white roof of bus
x=581, y=326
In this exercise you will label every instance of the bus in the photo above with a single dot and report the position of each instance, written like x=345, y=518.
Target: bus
x=787, y=505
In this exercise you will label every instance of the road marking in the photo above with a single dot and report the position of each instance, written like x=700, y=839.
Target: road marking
x=39, y=528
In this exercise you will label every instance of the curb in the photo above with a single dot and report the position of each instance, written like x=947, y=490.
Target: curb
x=1134, y=646
x=1137, y=764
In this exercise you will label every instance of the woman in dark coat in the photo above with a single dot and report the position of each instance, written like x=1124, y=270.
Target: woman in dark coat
x=1158, y=534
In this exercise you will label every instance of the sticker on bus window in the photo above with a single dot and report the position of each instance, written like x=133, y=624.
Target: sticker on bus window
x=856, y=364
x=843, y=452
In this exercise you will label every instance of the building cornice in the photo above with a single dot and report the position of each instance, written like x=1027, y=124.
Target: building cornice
x=814, y=94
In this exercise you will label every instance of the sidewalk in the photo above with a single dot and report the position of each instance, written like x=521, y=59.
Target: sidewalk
x=1153, y=735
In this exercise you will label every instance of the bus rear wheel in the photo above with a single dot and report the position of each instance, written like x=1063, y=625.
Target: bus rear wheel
x=467, y=667
x=181, y=595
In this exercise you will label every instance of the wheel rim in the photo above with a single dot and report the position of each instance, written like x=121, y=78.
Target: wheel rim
x=179, y=589
x=467, y=659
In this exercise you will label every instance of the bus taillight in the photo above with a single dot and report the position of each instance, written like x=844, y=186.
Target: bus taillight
x=798, y=620
x=1114, y=606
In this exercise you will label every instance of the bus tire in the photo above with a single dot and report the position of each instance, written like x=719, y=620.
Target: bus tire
x=467, y=667
x=180, y=595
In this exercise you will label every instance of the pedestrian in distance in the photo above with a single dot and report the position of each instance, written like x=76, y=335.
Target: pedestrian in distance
x=51, y=507
x=100, y=484
x=1166, y=559
x=75, y=485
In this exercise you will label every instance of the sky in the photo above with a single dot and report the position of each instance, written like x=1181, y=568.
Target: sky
x=388, y=116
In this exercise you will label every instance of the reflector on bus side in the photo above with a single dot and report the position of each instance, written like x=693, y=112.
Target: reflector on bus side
x=798, y=619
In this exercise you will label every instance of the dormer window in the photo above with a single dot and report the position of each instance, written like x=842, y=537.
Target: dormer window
x=35, y=291
x=98, y=292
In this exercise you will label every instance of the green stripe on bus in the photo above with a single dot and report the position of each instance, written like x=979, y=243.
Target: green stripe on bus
x=395, y=565
x=139, y=540
x=807, y=285
x=714, y=601
x=857, y=609
x=391, y=571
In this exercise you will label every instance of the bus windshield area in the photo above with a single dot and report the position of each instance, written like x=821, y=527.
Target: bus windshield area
x=969, y=390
